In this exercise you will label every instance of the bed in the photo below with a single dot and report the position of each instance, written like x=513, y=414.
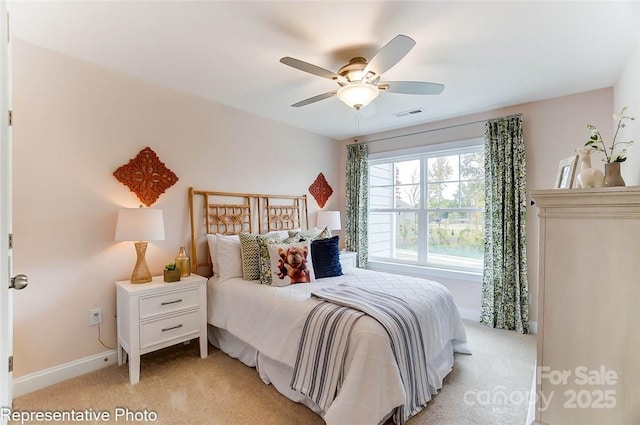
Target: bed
x=261, y=324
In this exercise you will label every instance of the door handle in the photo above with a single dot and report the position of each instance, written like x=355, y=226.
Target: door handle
x=19, y=281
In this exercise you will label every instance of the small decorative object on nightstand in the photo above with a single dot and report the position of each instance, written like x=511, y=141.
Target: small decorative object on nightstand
x=348, y=258
x=183, y=262
x=157, y=315
x=171, y=273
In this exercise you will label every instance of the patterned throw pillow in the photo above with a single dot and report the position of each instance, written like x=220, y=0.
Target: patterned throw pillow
x=291, y=263
x=307, y=235
x=325, y=234
x=251, y=255
x=296, y=237
x=264, y=263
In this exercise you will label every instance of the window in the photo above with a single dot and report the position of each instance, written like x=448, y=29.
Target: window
x=427, y=208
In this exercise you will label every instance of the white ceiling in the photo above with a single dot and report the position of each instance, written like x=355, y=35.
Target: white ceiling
x=488, y=54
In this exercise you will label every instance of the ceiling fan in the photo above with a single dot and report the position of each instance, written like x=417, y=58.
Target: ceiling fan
x=359, y=80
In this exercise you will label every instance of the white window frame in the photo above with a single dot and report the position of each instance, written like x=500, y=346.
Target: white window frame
x=433, y=150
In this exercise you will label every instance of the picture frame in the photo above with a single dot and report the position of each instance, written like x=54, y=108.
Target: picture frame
x=566, y=173
x=576, y=174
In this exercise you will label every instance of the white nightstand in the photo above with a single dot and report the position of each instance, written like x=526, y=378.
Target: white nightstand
x=157, y=314
x=348, y=258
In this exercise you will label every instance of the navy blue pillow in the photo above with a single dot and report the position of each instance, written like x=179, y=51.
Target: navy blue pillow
x=325, y=255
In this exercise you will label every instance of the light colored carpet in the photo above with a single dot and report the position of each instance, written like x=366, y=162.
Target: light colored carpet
x=184, y=389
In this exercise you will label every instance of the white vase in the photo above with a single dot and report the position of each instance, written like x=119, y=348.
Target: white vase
x=590, y=177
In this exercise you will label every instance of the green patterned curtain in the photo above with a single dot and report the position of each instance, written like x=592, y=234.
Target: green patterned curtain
x=505, y=292
x=357, y=202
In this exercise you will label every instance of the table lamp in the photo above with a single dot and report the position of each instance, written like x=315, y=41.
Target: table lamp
x=140, y=225
x=328, y=219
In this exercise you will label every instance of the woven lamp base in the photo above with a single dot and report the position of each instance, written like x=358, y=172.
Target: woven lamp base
x=141, y=273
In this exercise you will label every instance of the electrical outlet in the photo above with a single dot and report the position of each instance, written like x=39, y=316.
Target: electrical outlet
x=95, y=316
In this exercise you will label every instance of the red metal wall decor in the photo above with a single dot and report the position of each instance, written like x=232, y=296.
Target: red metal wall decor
x=146, y=176
x=320, y=190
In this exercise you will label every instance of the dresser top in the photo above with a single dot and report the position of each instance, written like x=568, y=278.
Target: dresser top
x=603, y=196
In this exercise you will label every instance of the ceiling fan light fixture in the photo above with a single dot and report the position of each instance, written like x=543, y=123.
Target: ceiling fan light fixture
x=358, y=95
x=354, y=76
x=359, y=80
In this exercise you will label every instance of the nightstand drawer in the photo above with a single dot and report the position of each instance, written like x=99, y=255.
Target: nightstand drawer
x=167, y=303
x=159, y=331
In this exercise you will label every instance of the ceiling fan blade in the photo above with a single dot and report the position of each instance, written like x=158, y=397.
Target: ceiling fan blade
x=390, y=54
x=315, y=99
x=411, y=87
x=307, y=67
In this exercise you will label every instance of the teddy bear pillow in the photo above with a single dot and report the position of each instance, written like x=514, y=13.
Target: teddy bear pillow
x=290, y=263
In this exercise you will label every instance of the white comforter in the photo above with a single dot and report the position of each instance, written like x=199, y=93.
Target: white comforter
x=271, y=320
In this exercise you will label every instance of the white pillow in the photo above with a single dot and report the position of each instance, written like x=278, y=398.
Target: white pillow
x=229, y=257
x=290, y=263
x=212, y=241
x=213, y=251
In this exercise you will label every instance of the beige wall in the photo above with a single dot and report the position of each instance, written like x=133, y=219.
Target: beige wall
x=74, y=125
x=553, y=129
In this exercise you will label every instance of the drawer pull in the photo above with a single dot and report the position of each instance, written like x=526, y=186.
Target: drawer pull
x=171, y=328
x=171, y=302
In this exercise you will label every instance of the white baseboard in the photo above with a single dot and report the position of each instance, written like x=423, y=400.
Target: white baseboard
x=474, y=316
x=44, y=378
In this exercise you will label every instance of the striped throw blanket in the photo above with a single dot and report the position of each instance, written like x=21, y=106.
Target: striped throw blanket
x=320, y=361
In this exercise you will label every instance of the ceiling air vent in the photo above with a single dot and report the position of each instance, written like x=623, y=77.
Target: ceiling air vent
x=408, y=113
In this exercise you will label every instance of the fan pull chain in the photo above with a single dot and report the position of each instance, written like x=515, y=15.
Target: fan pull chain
x=357, y=115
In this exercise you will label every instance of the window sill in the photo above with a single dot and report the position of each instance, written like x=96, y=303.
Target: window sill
x=423, y=271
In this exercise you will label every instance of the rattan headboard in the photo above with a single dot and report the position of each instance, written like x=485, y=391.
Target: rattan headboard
x=232, y=213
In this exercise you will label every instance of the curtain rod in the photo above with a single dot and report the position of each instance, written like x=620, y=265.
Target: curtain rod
x=436, y=129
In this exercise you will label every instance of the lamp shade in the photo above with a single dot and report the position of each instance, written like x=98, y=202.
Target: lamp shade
x=140, y=224
x=358, y=95
x=328, y=219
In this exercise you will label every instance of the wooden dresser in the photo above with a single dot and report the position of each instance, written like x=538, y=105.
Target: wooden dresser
x=589, y=307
